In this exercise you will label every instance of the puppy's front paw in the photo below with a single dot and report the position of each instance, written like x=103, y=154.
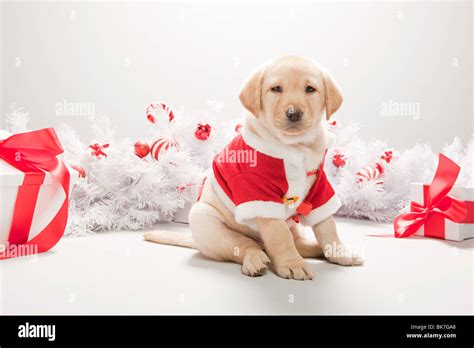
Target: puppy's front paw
x=343, y=256
x=255, y=263
x=293, y=269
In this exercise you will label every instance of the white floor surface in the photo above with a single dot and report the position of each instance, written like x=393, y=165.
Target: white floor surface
x=119, y=273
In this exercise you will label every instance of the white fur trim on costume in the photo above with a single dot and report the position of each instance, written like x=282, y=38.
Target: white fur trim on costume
x=294, y=161
x=295, y=171
x=228, y=203
x=322, y=213
x=268, y=145
x=254, y=209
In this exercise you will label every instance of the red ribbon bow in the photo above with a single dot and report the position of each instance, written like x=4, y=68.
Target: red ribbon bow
x=97, y=150
x=34, y=153
x=437, y=203
x=387, y=156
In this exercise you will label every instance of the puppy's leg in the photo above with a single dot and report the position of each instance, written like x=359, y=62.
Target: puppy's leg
x=306, y=247
x=217, y=241
x=333, y=249
x=279, y=245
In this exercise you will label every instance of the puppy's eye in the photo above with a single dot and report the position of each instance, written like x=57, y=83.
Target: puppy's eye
x=277, y=89
x=310, y=89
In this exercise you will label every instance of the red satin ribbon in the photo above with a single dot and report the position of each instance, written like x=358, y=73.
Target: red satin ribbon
x=34, y=153
x=97, y=150
x=437, y=205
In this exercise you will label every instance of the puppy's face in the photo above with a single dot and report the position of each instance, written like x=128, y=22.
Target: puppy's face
x=292, y=99
x=290, y=96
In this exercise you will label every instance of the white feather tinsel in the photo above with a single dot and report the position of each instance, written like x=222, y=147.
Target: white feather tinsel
x=416, y=164
x=124, y=192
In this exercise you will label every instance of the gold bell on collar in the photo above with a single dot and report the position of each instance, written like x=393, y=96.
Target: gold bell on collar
x=291, y=201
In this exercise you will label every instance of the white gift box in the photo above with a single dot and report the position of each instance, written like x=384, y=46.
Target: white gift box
x=49, y=201
x=182, y=215
x=451, y=230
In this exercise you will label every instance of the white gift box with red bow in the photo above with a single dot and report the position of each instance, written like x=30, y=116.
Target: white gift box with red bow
x=444, y=228
x=48, y=201
x=50, y=198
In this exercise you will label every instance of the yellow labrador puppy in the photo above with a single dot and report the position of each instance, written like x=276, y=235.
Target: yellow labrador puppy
x=270, y=180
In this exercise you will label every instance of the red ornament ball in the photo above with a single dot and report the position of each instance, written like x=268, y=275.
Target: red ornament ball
x=203, y=131
x=339, y=160
x=142, y=149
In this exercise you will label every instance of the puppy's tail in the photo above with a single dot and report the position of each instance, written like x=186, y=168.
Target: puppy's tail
x=171, y=238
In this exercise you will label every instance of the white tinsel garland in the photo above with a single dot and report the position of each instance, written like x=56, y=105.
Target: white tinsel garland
x=122, y=191
x=383, y=203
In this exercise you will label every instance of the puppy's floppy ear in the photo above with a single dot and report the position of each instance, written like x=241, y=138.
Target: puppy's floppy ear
x=333, y=94
x=251, y=92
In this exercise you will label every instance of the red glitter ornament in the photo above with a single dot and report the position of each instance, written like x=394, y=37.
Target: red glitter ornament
x=339, y=160
x=142, y=149
x=203, y=131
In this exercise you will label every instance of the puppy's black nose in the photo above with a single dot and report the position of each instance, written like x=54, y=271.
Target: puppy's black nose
x=294, y=114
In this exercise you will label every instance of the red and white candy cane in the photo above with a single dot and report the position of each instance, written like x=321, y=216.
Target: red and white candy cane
x=153, y=110
x=162, y=145
x=375, y=171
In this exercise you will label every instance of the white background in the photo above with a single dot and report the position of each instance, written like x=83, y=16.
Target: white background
x=120, y=56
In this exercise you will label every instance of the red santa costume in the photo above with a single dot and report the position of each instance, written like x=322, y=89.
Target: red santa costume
x=255, y=179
